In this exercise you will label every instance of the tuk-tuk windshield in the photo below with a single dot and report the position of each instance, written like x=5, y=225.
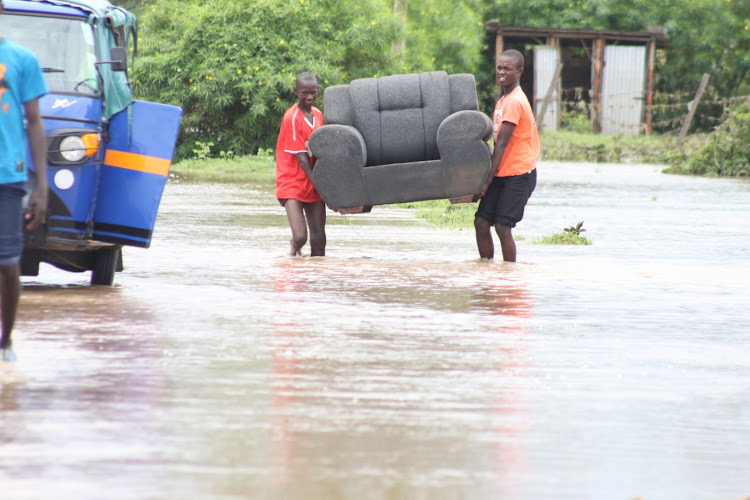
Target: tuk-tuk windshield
x=64, y=47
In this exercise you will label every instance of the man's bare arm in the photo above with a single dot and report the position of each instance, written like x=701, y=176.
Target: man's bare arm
x=35, y=131
x=503, y=137
x=304, y=162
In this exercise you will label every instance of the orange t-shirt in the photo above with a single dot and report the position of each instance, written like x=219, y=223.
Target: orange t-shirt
x=291, y=180
x=523, y=148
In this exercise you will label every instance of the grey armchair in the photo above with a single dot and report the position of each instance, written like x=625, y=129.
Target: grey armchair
x=401, y=138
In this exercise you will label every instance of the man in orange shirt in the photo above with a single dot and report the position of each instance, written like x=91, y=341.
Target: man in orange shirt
x=512, y=177
x=294, y=188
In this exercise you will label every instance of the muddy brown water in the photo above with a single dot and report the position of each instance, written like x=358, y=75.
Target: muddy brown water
x=399, y=366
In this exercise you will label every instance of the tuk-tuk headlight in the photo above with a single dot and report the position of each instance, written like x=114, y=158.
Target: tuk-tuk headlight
x=72, y=148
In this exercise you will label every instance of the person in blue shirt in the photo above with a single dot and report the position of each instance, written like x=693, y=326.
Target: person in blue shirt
x=21, y=86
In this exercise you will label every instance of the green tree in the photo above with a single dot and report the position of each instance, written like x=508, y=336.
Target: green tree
x=443, y=35
x=231, y=64
x=132, y=5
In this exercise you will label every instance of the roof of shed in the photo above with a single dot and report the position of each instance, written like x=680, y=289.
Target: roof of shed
x=654, y=33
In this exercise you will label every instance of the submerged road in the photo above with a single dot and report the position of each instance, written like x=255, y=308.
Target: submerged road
x=399, y=366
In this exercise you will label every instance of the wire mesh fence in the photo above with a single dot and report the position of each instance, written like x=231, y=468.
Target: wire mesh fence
x=667, y=112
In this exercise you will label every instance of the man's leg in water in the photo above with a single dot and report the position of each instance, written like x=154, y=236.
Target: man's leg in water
x=316, y=219
x=485, y=245
x=10, y=290
x=297, y=223
x=11, y=238
x=507, y=243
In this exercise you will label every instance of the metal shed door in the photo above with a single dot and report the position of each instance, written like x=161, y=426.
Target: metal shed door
x=546, y=59
x=623, y=89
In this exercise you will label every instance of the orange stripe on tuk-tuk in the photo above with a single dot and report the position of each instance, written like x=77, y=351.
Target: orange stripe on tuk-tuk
x=141, y=163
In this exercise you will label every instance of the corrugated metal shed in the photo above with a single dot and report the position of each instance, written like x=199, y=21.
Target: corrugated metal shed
x=623, y=89
x=546, y=59
x=628, y=74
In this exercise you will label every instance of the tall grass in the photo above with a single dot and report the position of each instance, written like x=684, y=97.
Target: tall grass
x=442, y=213
x=565, y=145
x=251, y=168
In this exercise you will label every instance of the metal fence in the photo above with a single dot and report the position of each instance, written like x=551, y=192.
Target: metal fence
x=668, y=111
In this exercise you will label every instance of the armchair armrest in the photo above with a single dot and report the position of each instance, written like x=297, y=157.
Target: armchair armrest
x=464, y=152
x=341, y=155
x=464, y=125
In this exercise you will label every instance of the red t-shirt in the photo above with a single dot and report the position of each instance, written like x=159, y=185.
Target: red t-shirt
x=291, y=180
x=523, y=148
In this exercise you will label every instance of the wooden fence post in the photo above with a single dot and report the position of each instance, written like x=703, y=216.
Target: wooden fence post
x=499, y=47
x=547, y=98
x=650, y=84
x=597, y=60
x=692, y=106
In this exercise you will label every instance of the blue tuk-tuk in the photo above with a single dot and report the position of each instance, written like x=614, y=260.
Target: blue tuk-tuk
x=108, y=154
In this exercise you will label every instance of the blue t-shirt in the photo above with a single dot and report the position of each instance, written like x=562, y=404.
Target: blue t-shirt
x=21, y=81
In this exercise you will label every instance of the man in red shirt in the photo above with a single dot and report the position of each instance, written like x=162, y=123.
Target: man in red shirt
x=294, y=188
x=513, y=173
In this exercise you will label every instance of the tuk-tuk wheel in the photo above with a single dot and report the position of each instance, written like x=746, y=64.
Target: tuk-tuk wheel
x=105, y=264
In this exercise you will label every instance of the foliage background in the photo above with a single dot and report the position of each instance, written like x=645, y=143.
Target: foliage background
x=231, y=63
x=726, y=152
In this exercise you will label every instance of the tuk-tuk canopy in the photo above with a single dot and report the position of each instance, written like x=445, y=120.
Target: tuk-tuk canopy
x=104, y=17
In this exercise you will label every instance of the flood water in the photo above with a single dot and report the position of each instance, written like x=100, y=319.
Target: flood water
x=399, y=366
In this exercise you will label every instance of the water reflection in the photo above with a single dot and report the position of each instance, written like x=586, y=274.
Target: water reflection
x=85, y=393
x=394, y=390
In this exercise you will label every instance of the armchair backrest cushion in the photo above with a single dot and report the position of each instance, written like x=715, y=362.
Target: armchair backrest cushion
x=398, y=116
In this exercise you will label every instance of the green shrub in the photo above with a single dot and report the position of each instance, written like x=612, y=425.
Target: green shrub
x=576, y=122
x=726, y=152
x=562, y=239
x=570, y=236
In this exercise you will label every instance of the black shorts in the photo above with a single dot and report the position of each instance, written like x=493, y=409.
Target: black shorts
x=506, y=199
x=283, y=201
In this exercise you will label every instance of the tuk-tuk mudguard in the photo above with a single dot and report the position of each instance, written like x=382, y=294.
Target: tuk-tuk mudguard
x=135, y=170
